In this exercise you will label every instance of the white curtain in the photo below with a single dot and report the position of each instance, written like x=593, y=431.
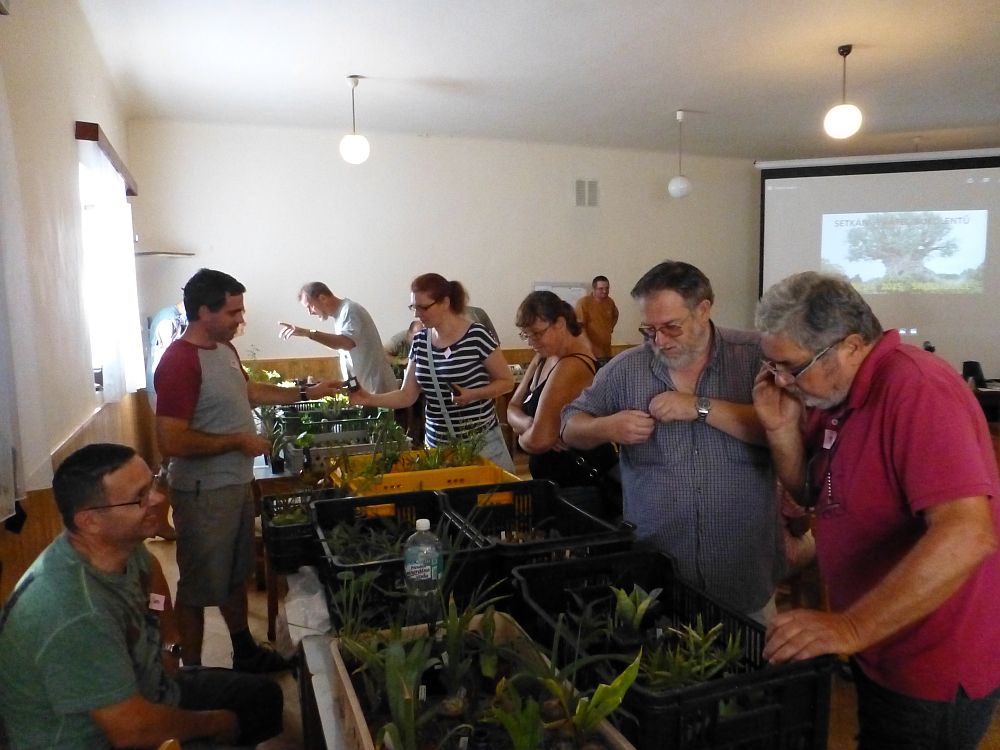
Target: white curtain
x=111, y=298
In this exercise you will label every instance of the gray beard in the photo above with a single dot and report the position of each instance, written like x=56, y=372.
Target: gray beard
x=832, y=401
x=674, y=363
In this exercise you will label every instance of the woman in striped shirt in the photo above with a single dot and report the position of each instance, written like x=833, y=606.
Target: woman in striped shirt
x=458, y=366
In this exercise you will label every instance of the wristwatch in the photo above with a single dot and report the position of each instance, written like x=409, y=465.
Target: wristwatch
x=704, y=406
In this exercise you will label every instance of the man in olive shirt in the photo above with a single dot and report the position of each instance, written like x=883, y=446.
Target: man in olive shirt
x=80, y=637
x=598, y=315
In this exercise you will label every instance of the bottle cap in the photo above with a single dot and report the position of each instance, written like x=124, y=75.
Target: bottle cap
x=423, y=524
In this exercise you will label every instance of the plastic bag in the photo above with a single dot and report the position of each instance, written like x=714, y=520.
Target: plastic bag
x=305, y=611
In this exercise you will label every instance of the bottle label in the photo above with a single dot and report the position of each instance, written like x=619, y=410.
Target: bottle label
x=421, y=571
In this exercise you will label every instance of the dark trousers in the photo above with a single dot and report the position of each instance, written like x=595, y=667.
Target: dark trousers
x=887, y=719
x=256, y=700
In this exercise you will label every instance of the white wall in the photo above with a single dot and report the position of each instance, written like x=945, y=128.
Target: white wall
x=278, y=207
x=52, y=76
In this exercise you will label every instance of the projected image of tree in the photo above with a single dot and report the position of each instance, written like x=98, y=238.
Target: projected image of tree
x=912, y=251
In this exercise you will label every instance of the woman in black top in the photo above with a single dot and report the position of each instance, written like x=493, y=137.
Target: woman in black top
x=561, y=368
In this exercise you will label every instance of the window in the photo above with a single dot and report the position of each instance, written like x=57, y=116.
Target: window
x=110, y=296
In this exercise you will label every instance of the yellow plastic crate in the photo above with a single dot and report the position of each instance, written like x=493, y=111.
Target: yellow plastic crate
x=486, y=472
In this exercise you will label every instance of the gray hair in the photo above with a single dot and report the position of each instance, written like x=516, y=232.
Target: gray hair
x=816, y=310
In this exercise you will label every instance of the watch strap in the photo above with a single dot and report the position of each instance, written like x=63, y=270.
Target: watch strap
x=704, y=406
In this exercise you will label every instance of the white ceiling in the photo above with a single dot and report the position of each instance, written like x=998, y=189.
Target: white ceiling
x=759, y=73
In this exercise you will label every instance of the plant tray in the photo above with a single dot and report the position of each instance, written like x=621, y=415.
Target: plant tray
x=351, y=717
x=291, y=545
x=512, y=514
x=465, y=567
x=326, y=420
x=755, y=706
x=349, y=443
x=431, y=479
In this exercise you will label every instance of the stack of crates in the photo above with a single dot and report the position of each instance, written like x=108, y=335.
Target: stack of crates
x=334, y=431
x=287, y=528
x=530, y=523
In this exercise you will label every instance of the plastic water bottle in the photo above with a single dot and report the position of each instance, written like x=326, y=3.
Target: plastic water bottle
x=422, y=568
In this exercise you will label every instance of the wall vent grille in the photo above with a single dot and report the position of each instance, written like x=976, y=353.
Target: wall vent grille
x=586, y=193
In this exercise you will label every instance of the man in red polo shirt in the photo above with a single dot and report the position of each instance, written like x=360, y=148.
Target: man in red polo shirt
x=888, y=446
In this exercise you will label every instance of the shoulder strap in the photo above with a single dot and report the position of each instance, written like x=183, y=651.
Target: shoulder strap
x=585, y=358
x=438, y=392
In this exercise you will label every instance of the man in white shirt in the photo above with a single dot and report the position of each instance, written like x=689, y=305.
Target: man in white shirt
x=354, y=336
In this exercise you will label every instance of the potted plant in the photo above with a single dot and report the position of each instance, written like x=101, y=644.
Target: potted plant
x=266, y=416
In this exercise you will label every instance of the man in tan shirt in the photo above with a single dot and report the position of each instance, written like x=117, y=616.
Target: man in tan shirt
x=598, y=315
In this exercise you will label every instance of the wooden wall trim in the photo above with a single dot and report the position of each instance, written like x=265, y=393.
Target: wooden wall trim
x=129, y=421
x=18, y=551
x=91, y=131
x=320, y=368
x=328, y=368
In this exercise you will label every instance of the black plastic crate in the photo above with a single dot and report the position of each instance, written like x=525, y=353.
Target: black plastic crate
x=509, y=513
x=291, y=545
x=468, y=557
x=755, y=706
x=593, y=500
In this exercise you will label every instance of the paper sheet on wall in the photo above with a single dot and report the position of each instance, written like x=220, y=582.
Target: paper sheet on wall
x=570, y=291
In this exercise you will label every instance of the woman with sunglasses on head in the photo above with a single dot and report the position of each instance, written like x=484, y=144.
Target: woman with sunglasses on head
x=562, y=367
x=457, y=365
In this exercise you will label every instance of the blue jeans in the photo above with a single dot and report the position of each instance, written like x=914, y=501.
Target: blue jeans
x=495, y=450
x=887, y=719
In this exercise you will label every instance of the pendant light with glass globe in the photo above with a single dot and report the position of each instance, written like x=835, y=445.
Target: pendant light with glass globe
x=354, y=148
x=680, y=185
x=844, y=120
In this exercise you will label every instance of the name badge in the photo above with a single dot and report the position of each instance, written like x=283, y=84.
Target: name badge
x=157, y=602
x=829, y=438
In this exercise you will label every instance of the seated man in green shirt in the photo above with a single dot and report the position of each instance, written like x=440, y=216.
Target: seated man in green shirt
x=81, y=654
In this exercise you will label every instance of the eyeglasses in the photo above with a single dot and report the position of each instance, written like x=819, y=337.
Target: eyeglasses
x=673, y=330
x=156, y=485
x=794, y=373
x=144, y=500
x=423, y=308
x=529, y=335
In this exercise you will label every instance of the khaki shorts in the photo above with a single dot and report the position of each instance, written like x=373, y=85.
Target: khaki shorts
x=215, y=543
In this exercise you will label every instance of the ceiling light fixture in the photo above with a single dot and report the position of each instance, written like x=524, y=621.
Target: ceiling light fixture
x=354, y=148
x=680, y=185
x=844, y=120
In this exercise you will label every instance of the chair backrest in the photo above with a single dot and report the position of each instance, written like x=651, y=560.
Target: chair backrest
x=972, y=369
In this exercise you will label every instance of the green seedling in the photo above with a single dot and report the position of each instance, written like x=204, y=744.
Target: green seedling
x=522, y=719
x=631, y=608
x=695, y=656
x=404, y=671
x=606, y=699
